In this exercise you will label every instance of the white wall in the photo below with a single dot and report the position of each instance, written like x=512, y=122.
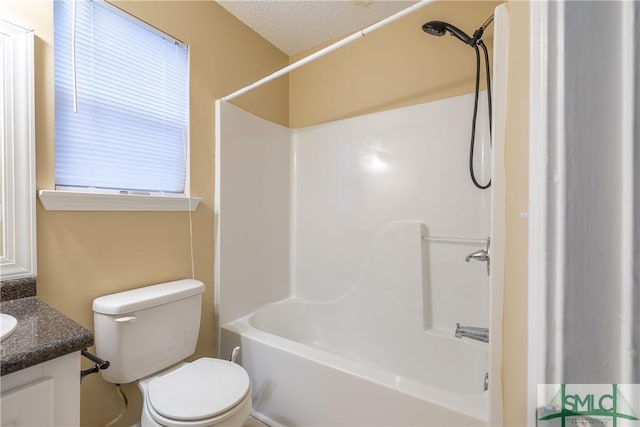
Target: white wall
x=356, y=177
x=350, y=181
x=252, y=212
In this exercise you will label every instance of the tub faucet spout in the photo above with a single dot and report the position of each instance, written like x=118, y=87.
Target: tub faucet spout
x=472, y=332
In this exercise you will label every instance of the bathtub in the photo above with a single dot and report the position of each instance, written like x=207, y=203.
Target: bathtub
x=319, y=364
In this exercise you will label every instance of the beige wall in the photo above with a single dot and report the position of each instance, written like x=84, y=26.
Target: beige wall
x=82, y=255
x=517, y=194
x=395, y=66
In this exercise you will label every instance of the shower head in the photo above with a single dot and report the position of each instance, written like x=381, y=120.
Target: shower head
x=439, y=28
x=435, y=28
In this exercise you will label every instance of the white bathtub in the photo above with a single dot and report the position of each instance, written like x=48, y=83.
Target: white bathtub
x=318, y=364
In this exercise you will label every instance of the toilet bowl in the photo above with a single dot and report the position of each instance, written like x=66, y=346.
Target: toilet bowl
x=206, y=392
x=146, y=334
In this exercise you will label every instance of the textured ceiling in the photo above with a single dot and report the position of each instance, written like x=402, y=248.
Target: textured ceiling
x=297, y=25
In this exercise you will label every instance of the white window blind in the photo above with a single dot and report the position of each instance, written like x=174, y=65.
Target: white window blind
x=129, y=131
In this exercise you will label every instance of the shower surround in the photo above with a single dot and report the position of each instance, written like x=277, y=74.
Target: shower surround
x=341, y=268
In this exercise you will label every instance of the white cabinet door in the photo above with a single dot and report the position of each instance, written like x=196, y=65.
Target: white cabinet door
x=29, y=405
x=63, y=376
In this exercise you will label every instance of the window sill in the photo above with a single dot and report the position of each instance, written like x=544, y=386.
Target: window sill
x=57, y=200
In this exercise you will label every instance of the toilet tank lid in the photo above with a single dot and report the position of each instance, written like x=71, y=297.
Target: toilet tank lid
x=147, y=297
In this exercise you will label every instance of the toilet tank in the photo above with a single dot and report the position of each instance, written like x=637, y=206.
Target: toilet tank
x=145, y=330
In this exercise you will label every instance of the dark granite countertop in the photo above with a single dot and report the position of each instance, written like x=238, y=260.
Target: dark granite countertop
x=17, y=288
x=42, y=334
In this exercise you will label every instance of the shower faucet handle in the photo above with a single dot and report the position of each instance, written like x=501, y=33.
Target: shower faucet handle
x=482, y=255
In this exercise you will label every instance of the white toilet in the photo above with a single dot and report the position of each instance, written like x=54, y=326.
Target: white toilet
x=146, y=334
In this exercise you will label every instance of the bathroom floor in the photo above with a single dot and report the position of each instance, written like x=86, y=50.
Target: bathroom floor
x=252, y=422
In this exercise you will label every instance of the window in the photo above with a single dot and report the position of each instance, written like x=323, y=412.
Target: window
x=121, y=98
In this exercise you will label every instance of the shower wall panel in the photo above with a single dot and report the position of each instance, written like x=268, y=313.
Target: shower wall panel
x=252, y=212
x=356, y=177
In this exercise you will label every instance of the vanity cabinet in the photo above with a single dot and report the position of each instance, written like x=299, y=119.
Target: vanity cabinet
x=40, y=361
x=46, y=394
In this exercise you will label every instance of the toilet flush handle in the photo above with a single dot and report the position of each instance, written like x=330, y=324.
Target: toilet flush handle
x=126, y=319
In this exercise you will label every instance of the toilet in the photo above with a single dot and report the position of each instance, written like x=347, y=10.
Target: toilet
x=146, y=334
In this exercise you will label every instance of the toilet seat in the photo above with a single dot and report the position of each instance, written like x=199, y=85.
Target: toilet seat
x=234, y=417
x=202, y=392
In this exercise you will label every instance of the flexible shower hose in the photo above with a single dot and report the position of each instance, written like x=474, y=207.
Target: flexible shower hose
x=475, y=110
